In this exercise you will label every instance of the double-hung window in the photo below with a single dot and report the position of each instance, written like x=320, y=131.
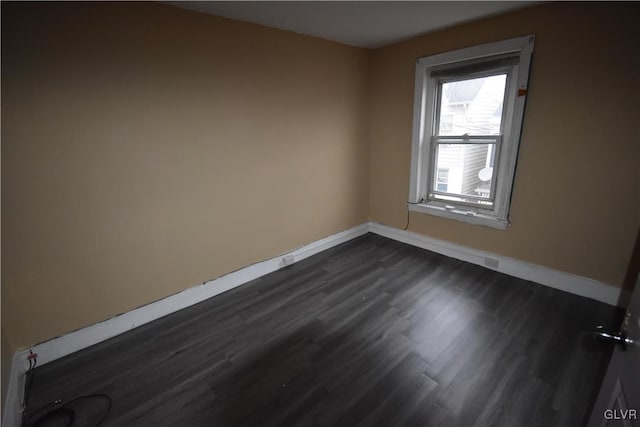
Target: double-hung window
x=468, y=112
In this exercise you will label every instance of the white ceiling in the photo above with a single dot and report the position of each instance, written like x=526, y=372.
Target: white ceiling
x=369, y=24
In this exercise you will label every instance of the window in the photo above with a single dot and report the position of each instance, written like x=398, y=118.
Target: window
x=442, y=182
x=468, y=111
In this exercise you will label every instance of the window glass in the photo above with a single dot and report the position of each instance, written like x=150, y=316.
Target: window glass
x=468, y=169
x=472, y=106
x=442, y=181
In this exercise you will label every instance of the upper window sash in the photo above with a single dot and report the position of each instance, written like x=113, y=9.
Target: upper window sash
x=507, y=70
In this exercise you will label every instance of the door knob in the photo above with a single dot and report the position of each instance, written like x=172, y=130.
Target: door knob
x=620, y=338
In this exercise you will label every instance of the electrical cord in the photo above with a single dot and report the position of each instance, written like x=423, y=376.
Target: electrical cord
x=61, y=411
x=406, y=227
x=65, y=411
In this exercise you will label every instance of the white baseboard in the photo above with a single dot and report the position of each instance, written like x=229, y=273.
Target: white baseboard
x=12, y=415
x=64, y=345
x=90, y=335
x=567, y=282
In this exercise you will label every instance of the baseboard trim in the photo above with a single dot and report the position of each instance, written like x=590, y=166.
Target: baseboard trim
x=12, y=415
x=64, y=345
x=567, y=282
x=61, y=346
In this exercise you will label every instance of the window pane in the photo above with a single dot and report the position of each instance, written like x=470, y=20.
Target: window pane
x=442, y=179
x=472, y=106
x=464, y=170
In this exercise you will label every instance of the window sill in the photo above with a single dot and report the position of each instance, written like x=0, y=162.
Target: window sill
x=460, y=215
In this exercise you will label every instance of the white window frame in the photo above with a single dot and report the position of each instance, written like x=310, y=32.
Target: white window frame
x=424, y=122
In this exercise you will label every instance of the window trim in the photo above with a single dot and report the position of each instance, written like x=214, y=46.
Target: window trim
x=424, y=118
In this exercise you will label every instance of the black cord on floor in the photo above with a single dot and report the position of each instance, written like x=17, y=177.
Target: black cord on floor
x=69, y=413
x=62, y=410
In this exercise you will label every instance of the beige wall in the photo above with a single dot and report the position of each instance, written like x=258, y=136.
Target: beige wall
x=147, y=149
x=576, y=198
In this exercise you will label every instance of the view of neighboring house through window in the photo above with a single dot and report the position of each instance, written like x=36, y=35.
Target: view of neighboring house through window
x=472, y=108
x=442, y=183
x=468, y=113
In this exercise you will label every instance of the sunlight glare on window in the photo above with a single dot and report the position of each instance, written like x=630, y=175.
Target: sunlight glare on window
x=472, y=106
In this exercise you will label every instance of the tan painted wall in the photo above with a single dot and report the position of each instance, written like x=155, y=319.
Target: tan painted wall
x=147, y=149
x=576, y=200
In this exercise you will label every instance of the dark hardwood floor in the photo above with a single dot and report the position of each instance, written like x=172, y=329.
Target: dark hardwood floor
x=372, y=332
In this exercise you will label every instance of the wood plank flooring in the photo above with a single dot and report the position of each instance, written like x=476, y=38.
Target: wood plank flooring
x=372, y=332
